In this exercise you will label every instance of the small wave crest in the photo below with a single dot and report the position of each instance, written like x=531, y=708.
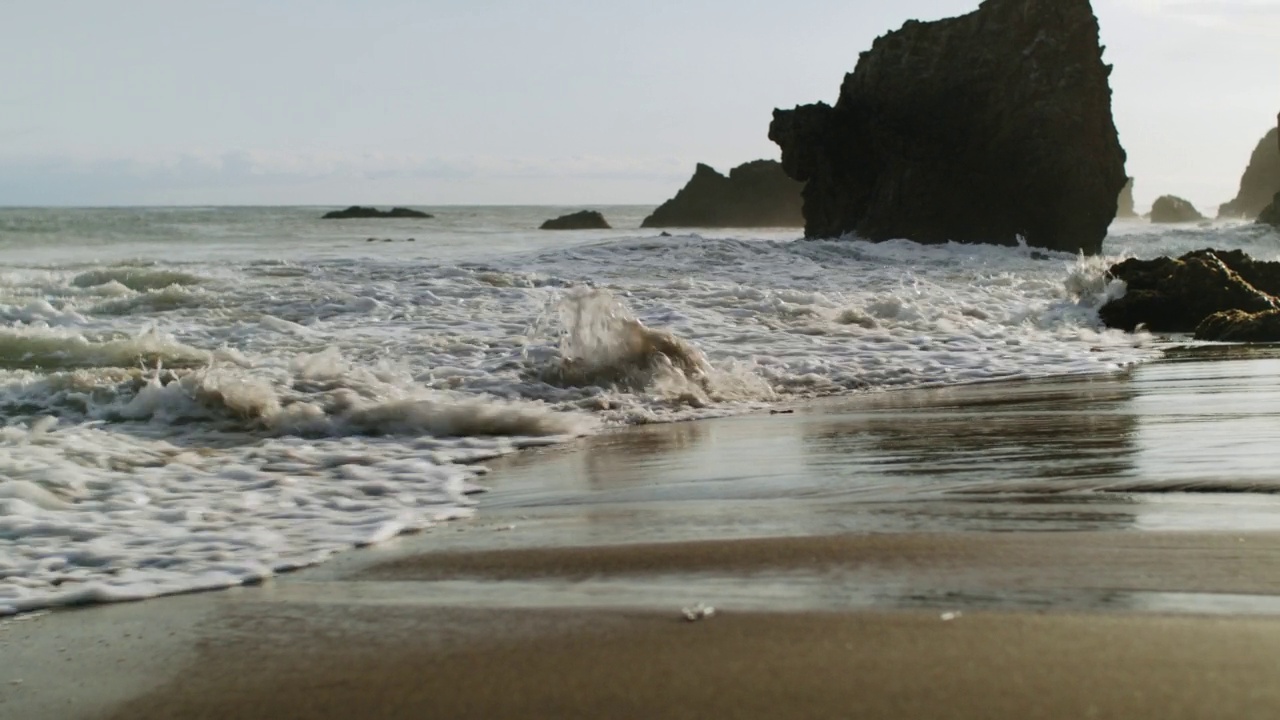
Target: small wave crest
x=600, y=343
x=134, y=278
x=51, y=349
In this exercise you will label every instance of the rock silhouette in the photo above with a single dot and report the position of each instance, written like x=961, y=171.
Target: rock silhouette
x=1260, y=182
x=1214, y=293
x=1271, y=214
x=581, y=220
x=356, y=211
x=1173, y=209
x=989, y=127
x=755, y=194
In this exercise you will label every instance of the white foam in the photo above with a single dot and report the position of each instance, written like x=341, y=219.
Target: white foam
x=250, y=406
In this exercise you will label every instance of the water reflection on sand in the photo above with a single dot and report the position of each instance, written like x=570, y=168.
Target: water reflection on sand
x=1181, y=443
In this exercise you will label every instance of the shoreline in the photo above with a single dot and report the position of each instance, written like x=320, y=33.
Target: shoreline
x=859, y=555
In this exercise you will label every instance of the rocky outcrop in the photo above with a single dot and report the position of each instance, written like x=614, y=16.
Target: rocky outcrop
x=1240, y=326
x=755, y=194
x=356, y=211
x=1181, y=295
x=1261, y=180
x=581, y=220
x=1173, y=209
x=1271, y=215
x=989, y=127
x=1125, y=209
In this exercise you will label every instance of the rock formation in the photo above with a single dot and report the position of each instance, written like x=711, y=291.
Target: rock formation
x=356, y=211
x=1261, y=180
x=1125, y=209
x=1173, y=209
x=1271, y=215
x=581, y=220
x=987, y=127
x=1213, y=293
x=755, y=194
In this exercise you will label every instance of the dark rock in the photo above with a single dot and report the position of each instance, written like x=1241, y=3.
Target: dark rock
x=356, y=211
x=755, y=194
x=1173, y=209
x=1271, y=215
x=1125, y=209
x=582, y=220
x=664, y=233
x=983, y=128
x=1168, y=295
x=1261, y=180
x=1241, y=326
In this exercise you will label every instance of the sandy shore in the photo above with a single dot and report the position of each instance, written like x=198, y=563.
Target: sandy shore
x=858, y=560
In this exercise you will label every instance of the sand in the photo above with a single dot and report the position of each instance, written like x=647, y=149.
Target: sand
x=853, y=576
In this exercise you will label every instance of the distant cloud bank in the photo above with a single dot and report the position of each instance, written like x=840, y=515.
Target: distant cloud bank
x=275, y=177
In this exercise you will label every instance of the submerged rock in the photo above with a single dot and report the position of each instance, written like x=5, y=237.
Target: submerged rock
x=1125, y=208
x=755, y=194
x=1260, y=182
x=581, y=220
x=1179, y=295
x=356, y=211
x=1173, y=209
x=989, y=127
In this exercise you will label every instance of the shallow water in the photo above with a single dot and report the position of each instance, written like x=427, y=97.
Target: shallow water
x=202, y=397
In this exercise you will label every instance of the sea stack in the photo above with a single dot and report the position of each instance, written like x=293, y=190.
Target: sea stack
x=991, y=127
x=755, y=194
x=1271, y=214
x=581, y=220
x=1173, y=209
x=359, y=212
x=1260, y=182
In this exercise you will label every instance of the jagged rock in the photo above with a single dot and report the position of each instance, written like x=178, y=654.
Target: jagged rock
x=1261, y=180
x=755, y=194
x=1240, y=326
x=1125, y=209
x=1173, y=209
x=1169, y=295
x=988, y=127
x=356, y=211
x=581, y=220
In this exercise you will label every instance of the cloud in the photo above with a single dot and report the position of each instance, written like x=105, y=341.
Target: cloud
x=271, y=177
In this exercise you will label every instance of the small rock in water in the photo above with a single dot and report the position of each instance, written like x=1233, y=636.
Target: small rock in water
x=698, y=612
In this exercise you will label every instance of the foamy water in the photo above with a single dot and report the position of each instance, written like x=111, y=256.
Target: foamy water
x=197, y=398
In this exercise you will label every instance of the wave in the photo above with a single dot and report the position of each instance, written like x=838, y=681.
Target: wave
x=137, y=279
x=49, y=349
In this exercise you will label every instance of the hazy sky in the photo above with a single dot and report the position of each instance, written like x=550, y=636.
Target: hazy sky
x=562, y=101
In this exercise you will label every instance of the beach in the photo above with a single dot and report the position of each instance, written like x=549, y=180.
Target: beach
x=862, y=557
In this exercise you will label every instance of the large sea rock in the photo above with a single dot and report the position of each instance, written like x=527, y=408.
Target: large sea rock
x=1261, y=180
x=581, y=220
x=357, y=211
x=1173, y=209
x=755, y=194
x=987, y=127
x=1216, y=294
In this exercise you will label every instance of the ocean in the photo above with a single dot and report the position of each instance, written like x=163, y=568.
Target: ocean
x=196, y=398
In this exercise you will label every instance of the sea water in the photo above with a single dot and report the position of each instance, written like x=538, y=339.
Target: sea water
x=195, y=398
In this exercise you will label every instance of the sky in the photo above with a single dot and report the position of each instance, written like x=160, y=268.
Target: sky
x=574, y=102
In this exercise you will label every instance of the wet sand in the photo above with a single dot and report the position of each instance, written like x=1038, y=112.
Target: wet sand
x=1022, y=550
